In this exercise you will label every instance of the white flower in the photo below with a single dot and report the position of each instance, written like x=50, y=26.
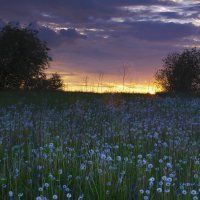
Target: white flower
x=119, y=158
x=150, y=166
x=193, y=192
x=60, y=171
x=141, y=191
x=91, y=152
x=164, y=178
x=82, y=167
x=160, y=161
x=160, y=183
x=46, y=185
x=184, y=192
x=109, y=158
x=169, y=179
x=80, y=197
x=169, y=165
x=168, y=184
x=152, y=179
x=20, y=194
x=159, y=190
x=103, y=156
x=51, y=145
x=147, y=192
x=55, y=196
x=68, y=195
x=10, y=193
x=40, y=189
x=126, y=159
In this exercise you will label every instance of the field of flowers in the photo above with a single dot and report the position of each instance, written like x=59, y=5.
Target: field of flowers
x=108, y=147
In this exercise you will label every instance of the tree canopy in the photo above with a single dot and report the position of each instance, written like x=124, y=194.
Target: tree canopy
x=23, y=59
x=180, y=72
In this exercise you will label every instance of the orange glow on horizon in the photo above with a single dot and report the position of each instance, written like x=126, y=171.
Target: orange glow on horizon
x=112, y=88
x=102, y=83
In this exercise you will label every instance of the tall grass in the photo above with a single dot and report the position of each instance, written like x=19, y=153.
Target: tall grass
x=96, y=147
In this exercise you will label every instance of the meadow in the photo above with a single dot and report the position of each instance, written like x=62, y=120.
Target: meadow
x=82, y=146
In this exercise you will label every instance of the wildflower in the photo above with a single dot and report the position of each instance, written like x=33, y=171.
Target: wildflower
x=103, y=156
x=147, y=192
x=164, y=178
x=82, y=167
x=80, y=197
x=119, y=158
x=151, y=184
x=107, y=192
x=196, y=176
x=159, y=190
x=51, y=145
x=193, y=192
x=109, y=158
x=40, y=189
x=150, y=166
x=10, y=193
x=55, y=196
x=126, y=159
x=169, y=165
x=167, y=190
x=152, y=179
x=141, y=191
x=168, y=184
x=91, y=152
x=46, y=185
x=160, y=183
x=184, y=192
x=68, y=195
x=169, y=179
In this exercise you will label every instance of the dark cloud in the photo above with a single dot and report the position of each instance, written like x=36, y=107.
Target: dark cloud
x=72, y=10
x=72, y=34
x=157, y=31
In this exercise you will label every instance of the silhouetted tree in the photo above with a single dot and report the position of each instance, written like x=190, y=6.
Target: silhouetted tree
x=55, y=82
x=23, y=58
x=181, y=72
x=39, y=83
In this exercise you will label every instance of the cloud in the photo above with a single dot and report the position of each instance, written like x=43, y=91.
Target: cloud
x=72, y=34
x=157, y=31
x=99, y=35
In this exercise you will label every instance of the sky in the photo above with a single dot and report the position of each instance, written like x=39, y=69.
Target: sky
x=96, y=44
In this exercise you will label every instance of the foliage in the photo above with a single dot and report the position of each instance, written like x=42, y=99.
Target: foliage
x=55, y=82
x=79, y=146
x=181, y=72
x=23, y=60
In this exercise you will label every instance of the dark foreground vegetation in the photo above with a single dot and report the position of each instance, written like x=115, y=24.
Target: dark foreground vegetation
x=23, y=61
x=56, y=145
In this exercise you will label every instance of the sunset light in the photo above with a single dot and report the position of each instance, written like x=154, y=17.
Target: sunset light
x=99, y=100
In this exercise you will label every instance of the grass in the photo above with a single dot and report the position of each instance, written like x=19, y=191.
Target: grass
x=56, y=145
